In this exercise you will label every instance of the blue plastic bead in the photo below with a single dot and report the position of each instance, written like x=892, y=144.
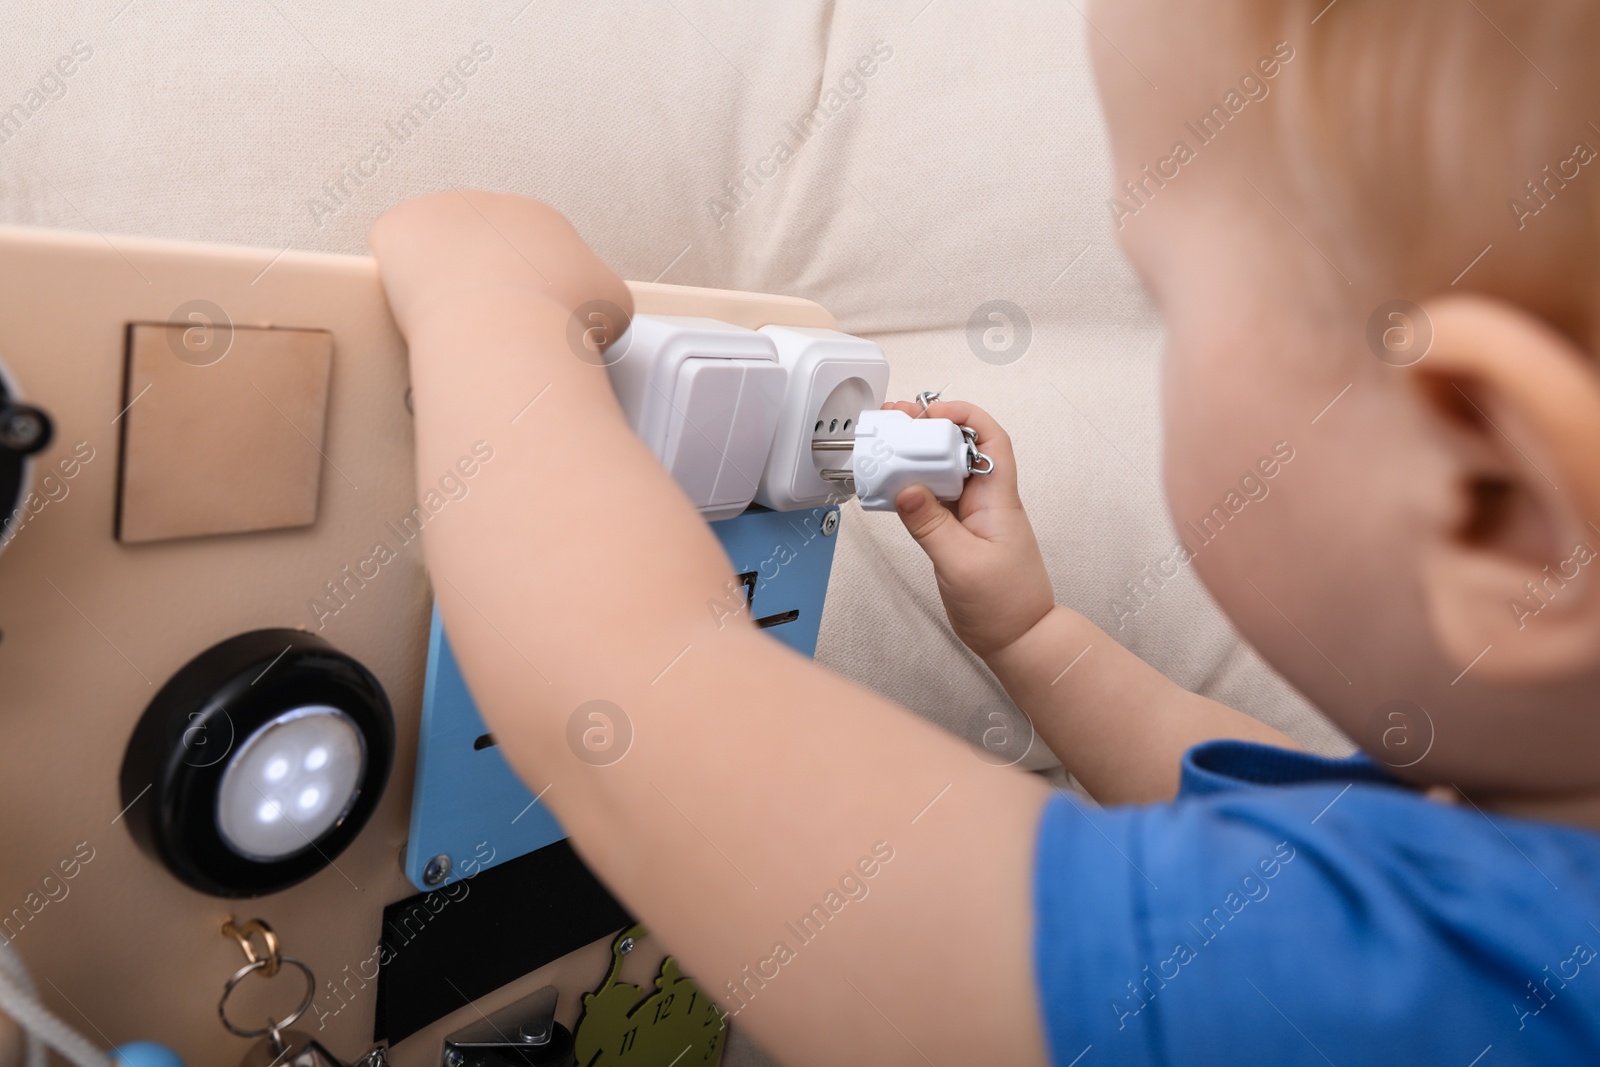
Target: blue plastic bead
x=145, y=1054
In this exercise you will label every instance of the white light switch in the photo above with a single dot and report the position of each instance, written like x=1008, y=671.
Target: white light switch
x=705, y=396
x=724, y=412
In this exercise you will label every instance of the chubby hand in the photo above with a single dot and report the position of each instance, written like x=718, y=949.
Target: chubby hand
x=467, y=259
x=991, y=576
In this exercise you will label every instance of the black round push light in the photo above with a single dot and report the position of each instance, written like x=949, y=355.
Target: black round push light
x=258, y=762
x=24, y=430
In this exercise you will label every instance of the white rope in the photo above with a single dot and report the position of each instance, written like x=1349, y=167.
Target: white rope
x=19, y=999
x=11, y=964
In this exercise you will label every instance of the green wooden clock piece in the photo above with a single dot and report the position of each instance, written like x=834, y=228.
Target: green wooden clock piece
x=675, y=1026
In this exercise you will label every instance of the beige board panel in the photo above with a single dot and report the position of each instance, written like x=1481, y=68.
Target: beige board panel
x=750, y=310
x=92, y=627
x=224, y=441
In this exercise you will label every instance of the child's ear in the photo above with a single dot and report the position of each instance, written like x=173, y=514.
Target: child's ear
x=1512, y=576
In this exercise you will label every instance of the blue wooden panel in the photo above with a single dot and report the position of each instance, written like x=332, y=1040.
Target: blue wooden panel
x=469, y=805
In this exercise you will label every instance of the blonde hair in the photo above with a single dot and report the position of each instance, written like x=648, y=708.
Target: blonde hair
x=1417, y=135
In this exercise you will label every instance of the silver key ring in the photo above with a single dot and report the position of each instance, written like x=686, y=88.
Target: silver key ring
x=271, y=1028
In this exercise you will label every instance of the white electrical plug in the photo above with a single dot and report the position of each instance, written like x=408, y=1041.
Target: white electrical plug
x=893, y=451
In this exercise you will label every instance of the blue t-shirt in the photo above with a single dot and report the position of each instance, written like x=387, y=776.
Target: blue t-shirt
x=1292, y=909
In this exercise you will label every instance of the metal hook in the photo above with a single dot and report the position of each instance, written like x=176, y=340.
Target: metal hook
x=977, y=462
x=244, y=935
x=974, y=457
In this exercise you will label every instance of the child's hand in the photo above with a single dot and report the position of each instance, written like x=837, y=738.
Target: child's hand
x=991, y=577
x=446, y=256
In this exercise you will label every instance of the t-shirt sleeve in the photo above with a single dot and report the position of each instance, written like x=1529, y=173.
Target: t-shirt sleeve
x=1339, y=922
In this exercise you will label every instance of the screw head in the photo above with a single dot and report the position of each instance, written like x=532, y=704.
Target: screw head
x=536, y=1032
x=24, y=429
x=453, y=1057
x=625, y=946
x=436, y=870
x=830, y=523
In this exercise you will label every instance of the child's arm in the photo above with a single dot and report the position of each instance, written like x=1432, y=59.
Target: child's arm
x=1118, y=724
x=757, y=786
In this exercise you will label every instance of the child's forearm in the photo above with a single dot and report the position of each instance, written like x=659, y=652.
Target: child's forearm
x=756, y=783
x=1119, y=725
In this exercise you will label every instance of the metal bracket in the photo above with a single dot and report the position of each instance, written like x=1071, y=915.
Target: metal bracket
x=521, y=1033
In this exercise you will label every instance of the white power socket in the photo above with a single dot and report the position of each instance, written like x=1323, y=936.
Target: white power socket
x=757, y=416
x=894, y=451
x=833, y=378
x=705, y=396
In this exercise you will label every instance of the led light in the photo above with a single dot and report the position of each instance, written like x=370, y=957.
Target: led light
x=292, y=780
x=266, y=755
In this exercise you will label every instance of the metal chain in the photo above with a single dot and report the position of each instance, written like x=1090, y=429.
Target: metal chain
x=977, y=462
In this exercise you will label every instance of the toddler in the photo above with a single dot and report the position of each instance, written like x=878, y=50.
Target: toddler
x=1385, y=268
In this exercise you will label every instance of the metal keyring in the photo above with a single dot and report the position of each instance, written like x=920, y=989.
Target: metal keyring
x=271, y=1028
